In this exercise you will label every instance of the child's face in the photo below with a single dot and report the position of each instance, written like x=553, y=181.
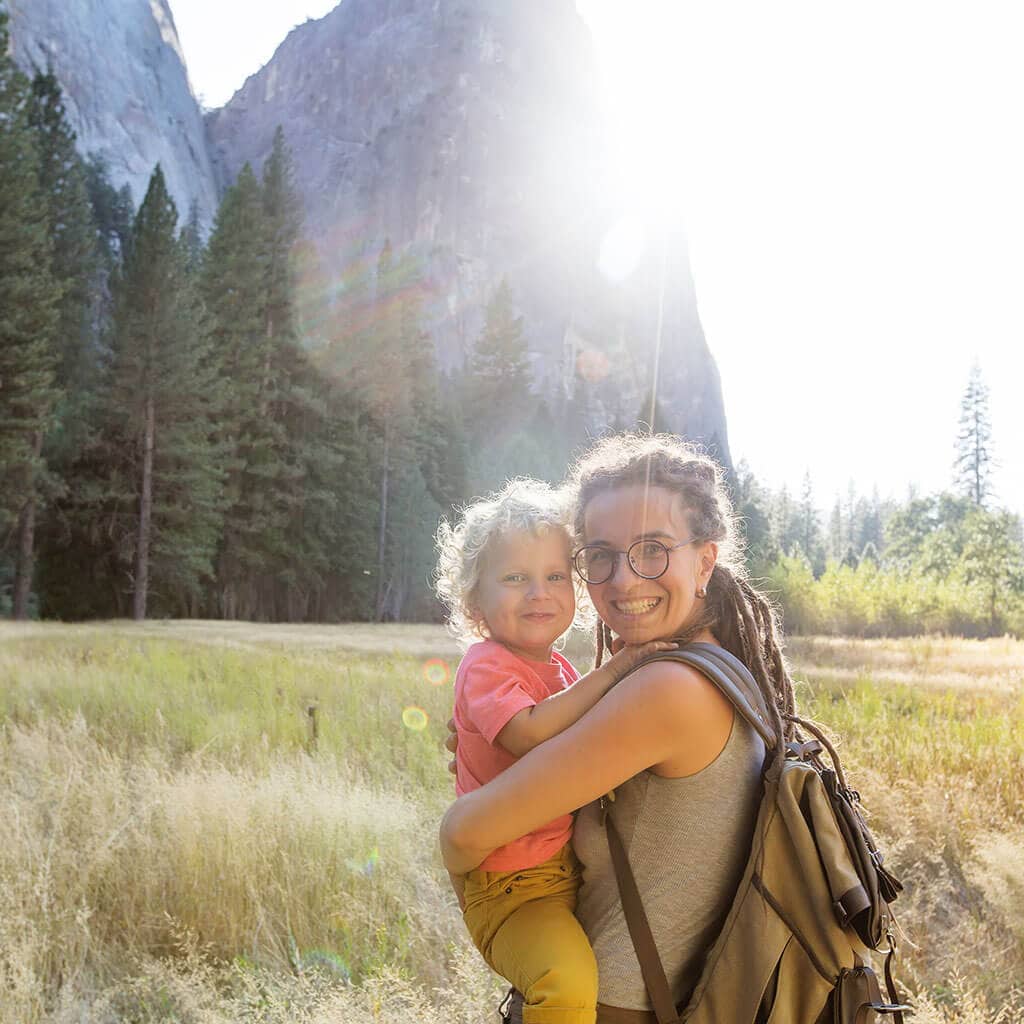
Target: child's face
x=525, y=594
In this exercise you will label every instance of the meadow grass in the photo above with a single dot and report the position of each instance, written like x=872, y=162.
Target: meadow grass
x=174, y=846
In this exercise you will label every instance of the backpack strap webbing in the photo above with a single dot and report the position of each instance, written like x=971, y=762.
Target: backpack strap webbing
x=639, y=927
x=731, y=677
x=734, y=681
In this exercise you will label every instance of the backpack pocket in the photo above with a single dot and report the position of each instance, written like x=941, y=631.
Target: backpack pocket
x=856, y=997
x=771, y=989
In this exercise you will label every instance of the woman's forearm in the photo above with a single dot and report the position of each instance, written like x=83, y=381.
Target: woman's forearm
x=459, y=852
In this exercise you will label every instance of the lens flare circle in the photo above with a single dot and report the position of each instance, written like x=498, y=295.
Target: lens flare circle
x=436, y=671
x=415, y=718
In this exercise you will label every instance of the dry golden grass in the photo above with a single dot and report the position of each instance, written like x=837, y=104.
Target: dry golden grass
x=172, y=848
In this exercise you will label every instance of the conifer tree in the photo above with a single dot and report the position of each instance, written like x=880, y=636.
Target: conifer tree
x=233, y=286
x=973, y=463
x=29, y=313
x=78, y=571
x=160, y=405
x=810, y=527
x=499, y=367
x=74, y=266
x=70, y=223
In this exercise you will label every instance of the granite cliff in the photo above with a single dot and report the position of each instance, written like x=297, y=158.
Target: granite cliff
x=126, y=90
x=467, y=131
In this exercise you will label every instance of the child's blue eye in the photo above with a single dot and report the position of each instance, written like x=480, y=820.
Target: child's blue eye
x=515, y=577
x=558, y=577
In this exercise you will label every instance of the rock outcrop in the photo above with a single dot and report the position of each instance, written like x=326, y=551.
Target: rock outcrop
x=126, y=90
x=470, y=130
x=467, y=131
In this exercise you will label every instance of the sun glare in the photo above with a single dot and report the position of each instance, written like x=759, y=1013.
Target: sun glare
x=643, y=81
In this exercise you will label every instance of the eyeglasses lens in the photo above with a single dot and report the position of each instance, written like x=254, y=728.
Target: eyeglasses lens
x=647, y=558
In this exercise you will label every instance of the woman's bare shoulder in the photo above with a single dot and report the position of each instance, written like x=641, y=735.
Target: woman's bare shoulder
x=670, y=685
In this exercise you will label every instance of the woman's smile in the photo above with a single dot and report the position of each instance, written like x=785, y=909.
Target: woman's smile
x=637, y=608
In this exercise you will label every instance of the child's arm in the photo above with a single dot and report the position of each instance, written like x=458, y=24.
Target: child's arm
x=556, y=713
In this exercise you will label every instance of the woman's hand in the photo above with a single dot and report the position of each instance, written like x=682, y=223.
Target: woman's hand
x=451, y=742
x=625, y=659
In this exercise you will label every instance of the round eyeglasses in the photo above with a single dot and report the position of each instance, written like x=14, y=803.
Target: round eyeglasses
x=647, y=558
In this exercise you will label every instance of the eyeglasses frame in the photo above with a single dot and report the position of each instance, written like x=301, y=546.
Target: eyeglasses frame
x=629, y=561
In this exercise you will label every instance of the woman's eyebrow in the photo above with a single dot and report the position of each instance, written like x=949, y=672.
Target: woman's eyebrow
x=648, y=535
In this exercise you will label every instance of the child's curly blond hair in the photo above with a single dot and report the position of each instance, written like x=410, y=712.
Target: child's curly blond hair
x=530, y=506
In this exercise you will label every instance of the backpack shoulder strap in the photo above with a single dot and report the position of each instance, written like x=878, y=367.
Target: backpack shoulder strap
x=733, y=680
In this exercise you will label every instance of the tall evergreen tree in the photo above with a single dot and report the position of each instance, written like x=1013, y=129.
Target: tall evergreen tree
x=973, y=463
x=29, y=314
x=498, y=376
x=810, y=527
x=74, y=268
x=78, y=572
x=62, y=182
x=233, y=286
x=164, y=478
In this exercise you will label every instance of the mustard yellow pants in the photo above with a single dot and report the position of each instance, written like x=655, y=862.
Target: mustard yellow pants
x=523, y=924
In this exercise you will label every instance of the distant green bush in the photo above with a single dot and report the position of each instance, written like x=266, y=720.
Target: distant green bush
x=870, y=600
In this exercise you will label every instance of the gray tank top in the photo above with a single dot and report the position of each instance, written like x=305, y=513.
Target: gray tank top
x=688, y=841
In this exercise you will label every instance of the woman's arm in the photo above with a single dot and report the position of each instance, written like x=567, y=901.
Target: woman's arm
x=534, y=725
x=665, y=713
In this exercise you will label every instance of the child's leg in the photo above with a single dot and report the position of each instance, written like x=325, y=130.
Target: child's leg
x=543, y=951
x=523, y=924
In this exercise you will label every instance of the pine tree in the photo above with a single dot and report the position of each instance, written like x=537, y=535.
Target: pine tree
x=63, y=184
x=29, y=314
x=78, y=571
x=752, y=505
x=160, y=406
x=973, y=463
x=74, y=266
x=233, y=286
x=389, y=394
x=810, y=527
x=498, y=375
x=836, y=535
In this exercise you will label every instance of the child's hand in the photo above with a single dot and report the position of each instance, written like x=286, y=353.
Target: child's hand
x=626, y=659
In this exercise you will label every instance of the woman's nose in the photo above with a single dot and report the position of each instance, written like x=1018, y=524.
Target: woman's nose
x=622, y=573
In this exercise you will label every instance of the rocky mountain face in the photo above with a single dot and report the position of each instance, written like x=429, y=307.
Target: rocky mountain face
x=467, y=132
x=470, y=130
x=126, y=90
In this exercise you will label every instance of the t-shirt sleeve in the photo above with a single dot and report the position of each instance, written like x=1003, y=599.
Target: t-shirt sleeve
x=493, y=696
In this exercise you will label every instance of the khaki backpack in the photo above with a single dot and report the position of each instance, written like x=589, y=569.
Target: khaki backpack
x=813, y=900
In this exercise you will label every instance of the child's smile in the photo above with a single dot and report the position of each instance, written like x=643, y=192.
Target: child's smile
x=525, y=593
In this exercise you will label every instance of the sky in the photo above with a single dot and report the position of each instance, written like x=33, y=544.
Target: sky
x=852, y=183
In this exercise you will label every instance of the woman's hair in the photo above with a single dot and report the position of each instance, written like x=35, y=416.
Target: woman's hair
x=743, y=619
x=525, y=505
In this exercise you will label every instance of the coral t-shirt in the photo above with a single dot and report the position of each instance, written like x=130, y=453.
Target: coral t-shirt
x=492, y=685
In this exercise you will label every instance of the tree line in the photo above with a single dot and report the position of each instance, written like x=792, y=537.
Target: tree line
x=200, y=427
x=950, y=562
x=183, y=432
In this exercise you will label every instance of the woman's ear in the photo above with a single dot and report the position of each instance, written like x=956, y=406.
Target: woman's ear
x=707, y=559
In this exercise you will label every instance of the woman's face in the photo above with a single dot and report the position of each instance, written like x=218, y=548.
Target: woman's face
x=638, y=609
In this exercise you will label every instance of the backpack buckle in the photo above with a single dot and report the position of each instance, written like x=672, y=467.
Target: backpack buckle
x=803, y=751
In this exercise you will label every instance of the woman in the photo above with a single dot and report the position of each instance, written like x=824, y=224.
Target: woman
x=656, y=532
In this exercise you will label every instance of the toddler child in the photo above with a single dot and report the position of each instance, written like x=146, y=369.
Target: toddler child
x=504, y=572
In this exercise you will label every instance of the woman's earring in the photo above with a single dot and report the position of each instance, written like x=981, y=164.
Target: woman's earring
x=702, y=592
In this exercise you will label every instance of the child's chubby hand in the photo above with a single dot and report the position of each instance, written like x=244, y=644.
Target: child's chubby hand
x=625, y=659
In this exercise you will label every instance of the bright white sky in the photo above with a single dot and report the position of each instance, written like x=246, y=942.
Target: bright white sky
x=852, y=180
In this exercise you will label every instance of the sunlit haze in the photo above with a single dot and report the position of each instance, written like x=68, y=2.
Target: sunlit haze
x=850, y=179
